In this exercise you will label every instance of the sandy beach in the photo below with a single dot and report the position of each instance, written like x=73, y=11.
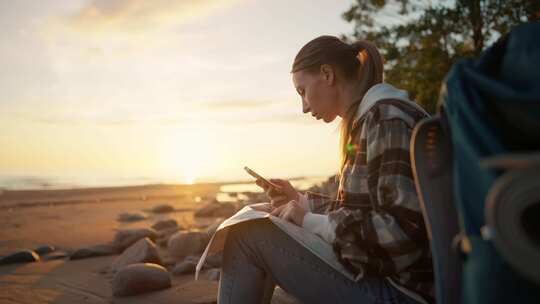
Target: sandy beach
x=72, y=219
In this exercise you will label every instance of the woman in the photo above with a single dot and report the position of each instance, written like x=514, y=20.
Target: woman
x=374, y=225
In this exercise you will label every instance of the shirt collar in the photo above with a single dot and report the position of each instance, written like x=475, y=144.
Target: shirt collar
x=380, y=92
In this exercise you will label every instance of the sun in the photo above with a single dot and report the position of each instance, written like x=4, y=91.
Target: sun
x=189, y=178
x=187, y=155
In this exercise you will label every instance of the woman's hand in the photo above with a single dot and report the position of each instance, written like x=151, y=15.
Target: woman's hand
x=291, y=212
x=265, y=207
x=281, y=196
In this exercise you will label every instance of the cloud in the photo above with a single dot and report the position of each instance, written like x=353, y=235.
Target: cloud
x=105, y=16
x=241, y=104
x=232, y=112
x=178, y=119
x=290, y=118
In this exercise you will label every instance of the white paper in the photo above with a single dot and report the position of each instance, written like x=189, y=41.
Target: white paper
x=309, y=240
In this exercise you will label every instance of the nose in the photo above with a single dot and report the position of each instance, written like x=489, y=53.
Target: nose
x=305, y=106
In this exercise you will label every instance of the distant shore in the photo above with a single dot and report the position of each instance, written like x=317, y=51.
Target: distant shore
x=28, y=198
x=12, y=198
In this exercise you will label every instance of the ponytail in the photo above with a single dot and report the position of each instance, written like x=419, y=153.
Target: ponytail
x=359, y=61
x=369, y=73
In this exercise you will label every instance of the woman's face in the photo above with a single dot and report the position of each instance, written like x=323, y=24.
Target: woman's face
x=317, y=93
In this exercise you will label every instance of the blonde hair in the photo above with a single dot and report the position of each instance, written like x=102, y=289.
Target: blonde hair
x=358, y=61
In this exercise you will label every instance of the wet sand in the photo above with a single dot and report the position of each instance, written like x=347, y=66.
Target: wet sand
x=71, y=219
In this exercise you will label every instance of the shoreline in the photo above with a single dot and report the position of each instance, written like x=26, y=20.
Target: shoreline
x=24, y=198
x=54, y=197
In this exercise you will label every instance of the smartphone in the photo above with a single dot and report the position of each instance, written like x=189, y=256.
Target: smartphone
x=264, y=180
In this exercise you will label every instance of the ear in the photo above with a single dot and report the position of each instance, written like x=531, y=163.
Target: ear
x=328, y=74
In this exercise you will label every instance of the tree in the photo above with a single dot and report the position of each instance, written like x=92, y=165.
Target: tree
x=420, y=40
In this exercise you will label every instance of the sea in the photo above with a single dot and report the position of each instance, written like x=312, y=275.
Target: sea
x=227, y=191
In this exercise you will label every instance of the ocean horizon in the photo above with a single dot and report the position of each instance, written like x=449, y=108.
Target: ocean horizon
x=35, y=182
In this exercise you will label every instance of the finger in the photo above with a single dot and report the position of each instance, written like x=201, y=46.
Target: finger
x=275, y=183
x=284, y=214
x=278, y=181
x=273, y=191
x=279, y=198
x=281, y=182
x=290, y=216
x=279, y=203
x=261, y=184
x=277, y=210
x=282, y=209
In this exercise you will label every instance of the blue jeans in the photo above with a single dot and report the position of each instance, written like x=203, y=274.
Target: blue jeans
x=258, y=255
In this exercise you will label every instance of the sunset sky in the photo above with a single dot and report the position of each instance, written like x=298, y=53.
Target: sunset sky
x=180, y=91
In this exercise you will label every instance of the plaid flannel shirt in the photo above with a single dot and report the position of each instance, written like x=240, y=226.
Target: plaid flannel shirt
x=379, y=228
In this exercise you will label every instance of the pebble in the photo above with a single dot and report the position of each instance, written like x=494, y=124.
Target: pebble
x=136, y=279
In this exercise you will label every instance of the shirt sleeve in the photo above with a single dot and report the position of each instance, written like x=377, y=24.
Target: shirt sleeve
x=320, y=225
x=390, y=237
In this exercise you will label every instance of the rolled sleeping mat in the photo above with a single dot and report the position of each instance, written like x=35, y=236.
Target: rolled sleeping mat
x=512, y=213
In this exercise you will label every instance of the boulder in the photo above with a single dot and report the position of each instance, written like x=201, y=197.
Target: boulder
x=184, y=243
x=167, y=232
x=143, y=251
x=92, y=251
x=165, y=224
x=131, y=217
x=23, y=256
x=125, y=238
x=136, y=279
x=216, y=209
x=43, y=250
x=56, y=255
x=187, y=266
x=164, y=236
x=163, y=208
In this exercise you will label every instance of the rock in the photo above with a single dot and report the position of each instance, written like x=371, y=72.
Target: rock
x=144, y=251
x=43, y=250
x=165, y=233
x=187, y=266
x=125, y=238
x=213, y=274
x=165, y=224
x=164, y=208
x=216, y=209
x=184, y=243
x=140, y=278
x=93, y=251
x=56, y=255
x=131, y=217
x=23, y=256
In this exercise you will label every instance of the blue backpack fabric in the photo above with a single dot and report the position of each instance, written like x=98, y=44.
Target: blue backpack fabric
x=492, y=105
